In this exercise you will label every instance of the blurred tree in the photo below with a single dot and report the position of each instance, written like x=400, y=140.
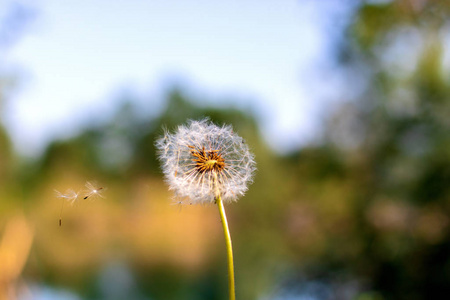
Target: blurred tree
x=383, y=173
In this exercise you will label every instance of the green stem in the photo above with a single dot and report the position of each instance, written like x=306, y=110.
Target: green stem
x=226, y=231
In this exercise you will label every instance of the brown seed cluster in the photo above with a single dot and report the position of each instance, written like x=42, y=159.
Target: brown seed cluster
x=207, y=160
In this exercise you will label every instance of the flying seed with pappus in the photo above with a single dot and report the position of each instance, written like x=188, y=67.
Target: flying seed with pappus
x=93, y=191
x=70, y=196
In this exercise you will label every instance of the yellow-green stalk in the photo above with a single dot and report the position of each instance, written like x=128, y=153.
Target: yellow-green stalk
x=229, y=246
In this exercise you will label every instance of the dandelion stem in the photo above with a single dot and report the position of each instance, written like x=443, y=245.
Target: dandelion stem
x=226, y=231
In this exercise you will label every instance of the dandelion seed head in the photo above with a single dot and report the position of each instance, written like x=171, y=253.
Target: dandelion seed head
x=201, y=161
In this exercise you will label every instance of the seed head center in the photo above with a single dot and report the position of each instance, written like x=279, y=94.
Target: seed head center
x=207, y=160
x=211, y=162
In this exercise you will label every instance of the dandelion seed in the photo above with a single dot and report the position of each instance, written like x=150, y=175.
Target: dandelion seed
x=93, y=191
x=70, y=196
x=179, y=204
x=202, y=161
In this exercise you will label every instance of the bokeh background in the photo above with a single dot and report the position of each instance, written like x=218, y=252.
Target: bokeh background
x=344, y=103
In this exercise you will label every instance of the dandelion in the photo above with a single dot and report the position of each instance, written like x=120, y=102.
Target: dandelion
x=207, y=164
x=202, y=161
x=70, y=196
x=93, y=191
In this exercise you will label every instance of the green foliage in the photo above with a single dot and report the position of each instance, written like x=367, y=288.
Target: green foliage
x=398, y=168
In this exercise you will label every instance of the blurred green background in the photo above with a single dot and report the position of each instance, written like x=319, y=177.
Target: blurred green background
x=361, y=212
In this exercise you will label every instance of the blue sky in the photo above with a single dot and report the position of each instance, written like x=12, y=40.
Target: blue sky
x=77, y=56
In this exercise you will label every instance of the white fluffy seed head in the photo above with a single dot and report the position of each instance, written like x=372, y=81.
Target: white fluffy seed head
x=201, y=161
